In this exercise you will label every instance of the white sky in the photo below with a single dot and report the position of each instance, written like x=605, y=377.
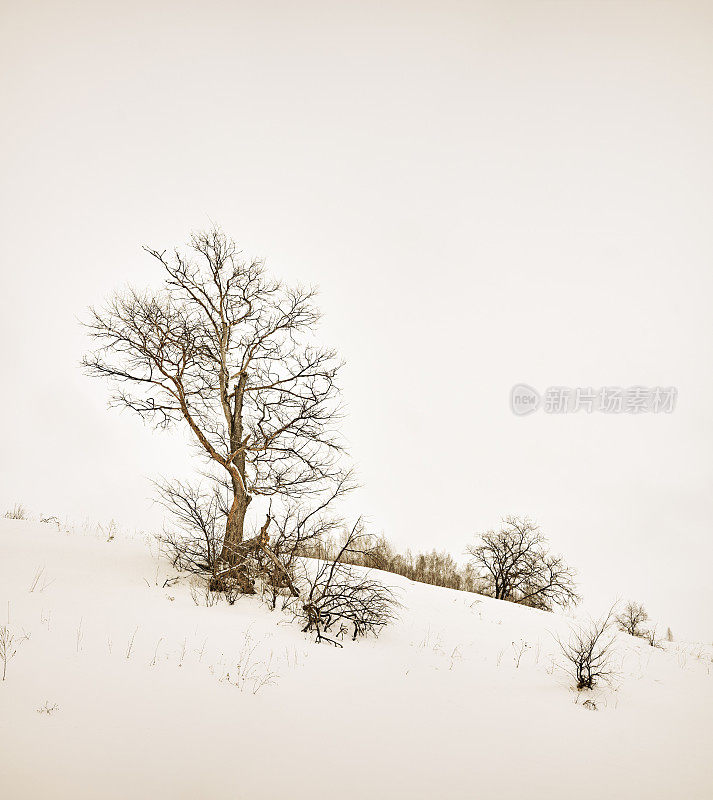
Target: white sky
x=486, y=193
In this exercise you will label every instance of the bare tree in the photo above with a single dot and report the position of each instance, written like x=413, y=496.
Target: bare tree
x=589, y=651
x=229, y=352
x=632, y=619
x=515, y=564
x=343, y=594
x=653, y=638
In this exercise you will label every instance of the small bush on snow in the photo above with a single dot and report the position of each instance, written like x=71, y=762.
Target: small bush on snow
x=8, y=647
x=18, y=511
x=343, y=594
x=632, y=619
x=589, y=652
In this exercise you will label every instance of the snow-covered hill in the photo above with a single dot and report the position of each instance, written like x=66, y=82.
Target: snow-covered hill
x=121, y=688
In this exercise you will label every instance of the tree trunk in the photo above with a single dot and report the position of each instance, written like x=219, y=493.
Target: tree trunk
x=234, y=528
x=241, y=499
x=234, y=553
x=233, y=564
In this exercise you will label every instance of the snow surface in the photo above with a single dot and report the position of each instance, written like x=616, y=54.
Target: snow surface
x=122, y=688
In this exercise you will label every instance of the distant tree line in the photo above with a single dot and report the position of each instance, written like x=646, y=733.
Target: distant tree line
x=437, y=568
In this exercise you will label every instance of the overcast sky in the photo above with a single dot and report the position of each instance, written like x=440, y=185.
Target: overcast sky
x=485, y=193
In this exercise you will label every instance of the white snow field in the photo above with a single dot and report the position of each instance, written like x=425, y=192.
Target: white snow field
x=123, y=689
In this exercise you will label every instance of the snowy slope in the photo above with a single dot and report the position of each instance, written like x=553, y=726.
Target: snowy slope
x=155, y=696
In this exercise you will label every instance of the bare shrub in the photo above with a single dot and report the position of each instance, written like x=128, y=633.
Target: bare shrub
x=519, y=650
x=299, y=533
x=109, y=531
x=632, y=619
x=589, y=652
x=344, y=594
x=18, y=511
x=202, y=594
x=8, y=647
x=194, y=544
x=653, y=639
x=249, y=672
x=514, y=563
x=669, y=635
